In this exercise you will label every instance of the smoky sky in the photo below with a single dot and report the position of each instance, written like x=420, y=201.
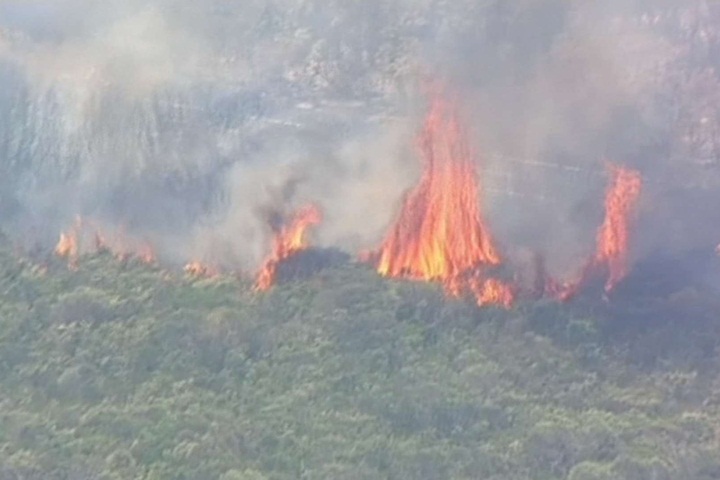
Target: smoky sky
x=184, y=121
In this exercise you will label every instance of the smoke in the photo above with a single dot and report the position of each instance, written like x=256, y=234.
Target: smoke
x=185, y=121
x=566, y=87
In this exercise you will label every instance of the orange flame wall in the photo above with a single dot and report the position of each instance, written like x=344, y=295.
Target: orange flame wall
x=440, y=233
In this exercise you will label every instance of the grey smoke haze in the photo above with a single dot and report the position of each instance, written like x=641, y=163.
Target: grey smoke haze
x=183, y=120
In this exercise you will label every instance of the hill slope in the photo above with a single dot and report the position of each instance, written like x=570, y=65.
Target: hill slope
x=122, y=371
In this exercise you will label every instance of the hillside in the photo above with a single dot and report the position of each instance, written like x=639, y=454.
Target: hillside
x=559, y=159
x=121, y=370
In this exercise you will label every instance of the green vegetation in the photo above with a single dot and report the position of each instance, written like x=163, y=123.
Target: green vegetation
x=123, y=371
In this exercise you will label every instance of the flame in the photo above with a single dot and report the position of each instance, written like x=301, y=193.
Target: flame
x=146, y=253
x=440, y=234
x=565, y=291
x=121, y=246
x=142, y=251
x=613, y=238
x=198, y=269
x=289, y=240
x=492, y=292
x=68, y=244
x=102, y=244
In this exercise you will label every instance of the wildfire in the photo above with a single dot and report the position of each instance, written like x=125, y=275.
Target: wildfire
x=613, y=237
x=146, y=253
x=440, y=234
x=67, y=246
x=493, y=292
x=120, y=245
x=289, y=239
x=198, y=269
x=123, y=247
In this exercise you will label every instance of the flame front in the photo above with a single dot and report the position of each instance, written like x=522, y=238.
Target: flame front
x=289, y=240
x=440, y=234
x=613, y=238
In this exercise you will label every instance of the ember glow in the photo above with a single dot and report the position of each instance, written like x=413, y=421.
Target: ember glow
x=289, y=239
x=440, y=234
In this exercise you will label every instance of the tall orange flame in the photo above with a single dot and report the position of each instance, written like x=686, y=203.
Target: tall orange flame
x=440, y=234
x=289, y=240
x=613, y=238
